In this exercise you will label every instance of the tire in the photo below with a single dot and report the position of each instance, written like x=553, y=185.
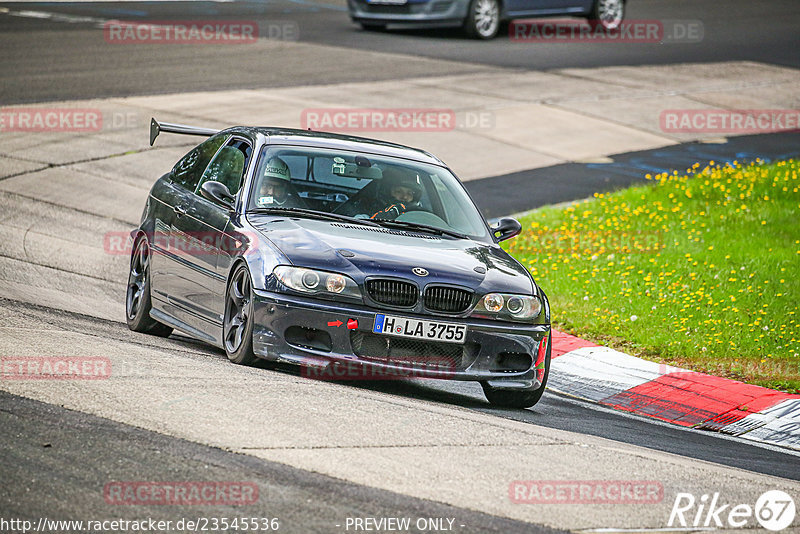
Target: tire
x=137, y=297
x=371, y=27
x=483, y=19
x=510, y=398
x=237, y=323
x=607, y=14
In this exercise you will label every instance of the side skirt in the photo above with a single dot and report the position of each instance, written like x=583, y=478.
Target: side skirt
x=162, y=317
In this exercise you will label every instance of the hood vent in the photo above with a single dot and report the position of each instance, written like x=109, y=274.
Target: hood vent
x=386, y=231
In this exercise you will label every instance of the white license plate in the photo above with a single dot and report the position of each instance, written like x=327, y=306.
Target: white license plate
x=417, y=329
x=388, y=2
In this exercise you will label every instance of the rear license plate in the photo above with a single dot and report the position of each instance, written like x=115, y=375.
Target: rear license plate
x=417, y=329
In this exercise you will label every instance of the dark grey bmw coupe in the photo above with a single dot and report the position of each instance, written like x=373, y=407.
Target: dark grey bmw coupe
x=336, y=253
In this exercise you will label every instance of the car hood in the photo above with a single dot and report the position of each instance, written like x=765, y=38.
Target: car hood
x=362, y=251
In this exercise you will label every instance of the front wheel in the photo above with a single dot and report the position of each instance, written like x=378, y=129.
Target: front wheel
x=510, y=398
x=237, y=324
x=607, y=14
x=483, y=19
x=137, y=297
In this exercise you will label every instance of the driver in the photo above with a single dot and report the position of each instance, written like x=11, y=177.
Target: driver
x=399, y=192
x=274, y=190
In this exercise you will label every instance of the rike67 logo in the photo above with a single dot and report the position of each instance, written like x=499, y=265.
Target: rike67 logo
x=774, y=510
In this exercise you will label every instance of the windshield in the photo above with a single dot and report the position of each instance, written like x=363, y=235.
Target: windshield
x=385, y=190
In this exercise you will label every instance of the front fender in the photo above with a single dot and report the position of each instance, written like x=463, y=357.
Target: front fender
x=256, y=251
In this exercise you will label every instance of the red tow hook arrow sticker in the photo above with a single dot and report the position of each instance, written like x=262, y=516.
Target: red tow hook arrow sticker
x=336, y=323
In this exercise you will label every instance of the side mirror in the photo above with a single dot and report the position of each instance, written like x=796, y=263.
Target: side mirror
x=218, y=194
x=505, y=228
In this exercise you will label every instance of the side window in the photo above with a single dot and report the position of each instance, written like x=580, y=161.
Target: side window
x=189, y=169
x=228, y=166
x=453, y=208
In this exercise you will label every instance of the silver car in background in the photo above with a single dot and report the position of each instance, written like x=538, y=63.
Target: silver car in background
x=480, y=18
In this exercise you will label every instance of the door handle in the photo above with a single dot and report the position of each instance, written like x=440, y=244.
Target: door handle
x=179, y=210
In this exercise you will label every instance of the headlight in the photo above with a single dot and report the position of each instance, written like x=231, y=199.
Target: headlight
x=493, y=302
x=336, y=283
x=515, y=305
x=310, y=279
x=509, y=307
x=316, y=282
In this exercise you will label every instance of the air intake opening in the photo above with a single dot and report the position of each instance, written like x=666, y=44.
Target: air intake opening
x=511, y=362
x=308, y=338
x=429, y=355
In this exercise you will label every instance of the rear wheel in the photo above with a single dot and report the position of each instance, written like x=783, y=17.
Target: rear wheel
x=483, y=19
x=510, y=398
x=137, y=298
x=237, y=325
x=607, y=14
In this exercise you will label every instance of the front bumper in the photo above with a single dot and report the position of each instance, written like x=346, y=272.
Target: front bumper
x=430, y=12
x=316, y=334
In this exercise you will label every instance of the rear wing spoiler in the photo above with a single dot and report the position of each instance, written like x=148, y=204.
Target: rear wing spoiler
x=156, y=128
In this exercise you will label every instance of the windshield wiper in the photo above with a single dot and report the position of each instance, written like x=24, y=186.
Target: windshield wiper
x=423, y=227
x=315, y=213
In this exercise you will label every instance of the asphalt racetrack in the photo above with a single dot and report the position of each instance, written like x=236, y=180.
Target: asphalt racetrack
x=324, y=453
x=46, y=59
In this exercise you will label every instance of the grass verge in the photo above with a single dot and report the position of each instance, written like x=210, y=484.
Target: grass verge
x=700, y=270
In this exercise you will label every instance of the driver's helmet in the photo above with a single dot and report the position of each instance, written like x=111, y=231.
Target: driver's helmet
x=400, y=185
x=275, y=184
